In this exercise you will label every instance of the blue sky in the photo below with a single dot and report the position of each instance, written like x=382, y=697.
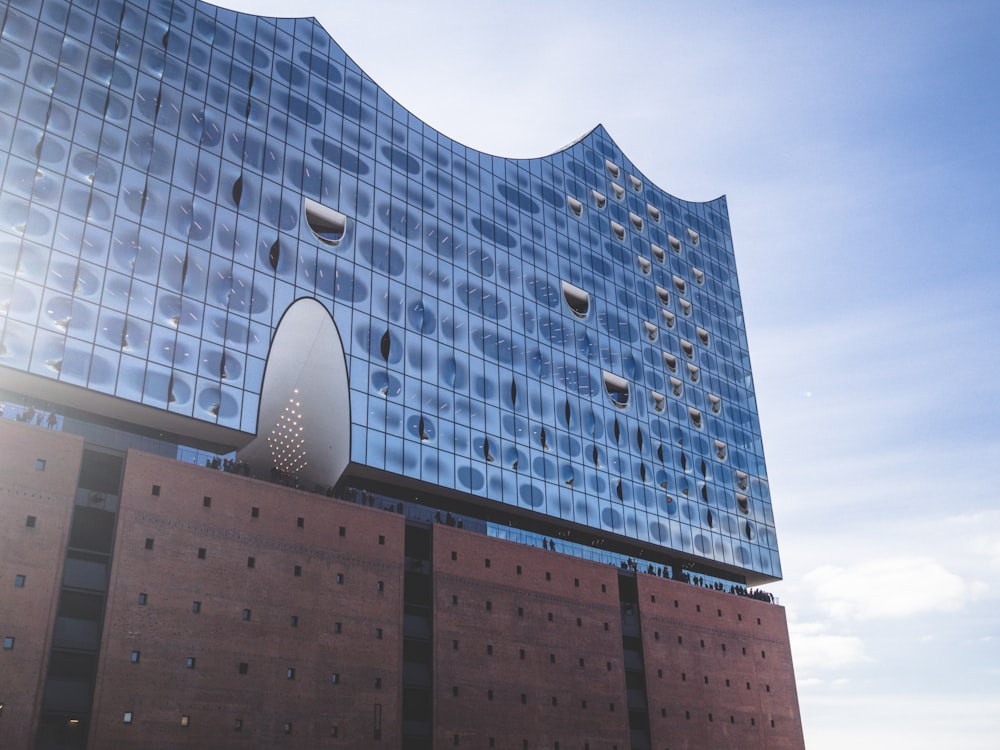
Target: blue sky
x=857, y=144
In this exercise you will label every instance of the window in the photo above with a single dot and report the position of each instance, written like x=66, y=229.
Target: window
x=763, y=655
x=195, y=607
x=251, y=562
x=127, y=717
x=8, y=643
x=767, y=688
x=684, y=676
x=378, y=634
x=522, y=654
x=454, y=555
x=30, y=521
x=487, y=561
x=550, y=617
x=340, y=577
x=380, y=585
x=287, y=727
x=727, y=683
x=581, y=661
x=246, y=615
x=143, y=598
x=295, y=621
x=244, y=667
x=39, y=464
x=659, y=673
x=238, y=725
x=680, y=640
x=519, y=570
x=604, y=588
x=555, y=701
x=719, y=612
x=255, y=512
x=548, y=576
x=454, y=645
x=290, y=673
x=134, y=657
x=191, y=661
x=606, y=626
x=454, y=599
x=298, y=571
x=19, y=581
x=520, y=611
x=202, y=552
x=149, y=542
x=335, y=678
x=185, y=720
x=524, y=699
x=579, y=622
x=489, y=606
x=338, y=627
x=206, y=502
x=342, y=531
x=334, y=730
x=583, y=703
x=155, y=491
x=378, y=683
x=300, y=522
x=489, y=695
x=381, y=539
x=454, y=691
x=656, y=635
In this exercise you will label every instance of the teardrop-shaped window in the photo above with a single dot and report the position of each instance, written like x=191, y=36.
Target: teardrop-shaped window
x=543, y=440
x=663, y=294
x=421, y=429
x=184, y=269
x=743, y=503
x=642, y=471
x=595, y=457
x=275, y=255
x=710, y=518
x=513, y=392
x=658, y=252
x=619, y=491
x=577, y=299
x=618, y=431
x=384, y=345
x=238, y=190
x=223, y=374
x=171, y=398
x=569, y=413
x=639, y=438
x=574, y=205
x=618, y=229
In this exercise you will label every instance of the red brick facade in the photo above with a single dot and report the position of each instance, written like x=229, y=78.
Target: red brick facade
x=527, y=646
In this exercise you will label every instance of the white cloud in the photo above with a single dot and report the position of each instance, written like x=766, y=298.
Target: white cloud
x=890, y=588
x=815, y=649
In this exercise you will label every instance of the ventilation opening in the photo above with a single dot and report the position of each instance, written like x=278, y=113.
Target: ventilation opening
x=636, y=182
x=326, y=224
x=663, y=294
x=741, y=479
x=695, y=416
x=617, y=389
x=636, y=220
x=702, y=335
x=679, y=283
x=677, y=386
x=577, y=299
x=694, y=236
x=670, y=361
x=659, y=401
x=693, y=372
x=657, y=252
x=686, y=307
x=716, y=403
x=644, y=263
x=743, y=503
x=619, y=190
x=688, y=348
x=720, y=450
x=699, y=275
x=674, y=242
x=599, y=198
x=574, y=205
x=612, y=168
x=668, y=317
x=618, y=229
x=651, y=330
x=654, y=212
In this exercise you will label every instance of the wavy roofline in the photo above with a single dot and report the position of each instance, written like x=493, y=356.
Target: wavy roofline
x=593, y=132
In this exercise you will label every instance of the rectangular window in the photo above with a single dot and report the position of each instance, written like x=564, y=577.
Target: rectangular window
x=19, y=581
x=149, y=542
x=522, y=654
x=295, y=621
x=191, y=661
x=489, y=649
x=489, y=695
x=185, y=720
x=195, y=606
x=454, y=599
x=134, y=657
x=381, y=539
x=287, y=727
x=550, y=617
x=454, y=645
x=548, y=576
x=30, y=521
x=201, y=553
x=244, y=667
x=251, y=562
x=489, y=606
x=298, y=571
x=454, y=555
x=238, y=725
x=335, y=678
x=719, y=612
x=454, y=691
x=519, y=570
x=579, y=622
x=576, y=582
x=246, y=614
x=127, y=717
x=340, y=577
x=206, y=502
x=380, y=586
x=40, y=464
x=487, y=561
x=155, y=491
x=604, y=588
x=300, y=522
x=8, y=642
x=520, y=611
x=652, y=598
x=378, y=634
x=342, y=531
x=334, y=730
x=338, y=627
x=378, y=683
x=290, y=673
x=255, y=512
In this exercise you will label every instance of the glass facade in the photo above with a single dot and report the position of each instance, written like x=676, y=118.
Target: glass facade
x=555, y=334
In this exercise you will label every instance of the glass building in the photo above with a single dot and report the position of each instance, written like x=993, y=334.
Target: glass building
x=215, y=228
